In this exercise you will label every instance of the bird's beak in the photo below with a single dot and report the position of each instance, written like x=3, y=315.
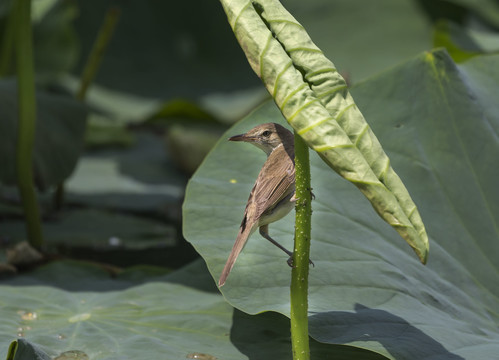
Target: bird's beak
x=241, y=137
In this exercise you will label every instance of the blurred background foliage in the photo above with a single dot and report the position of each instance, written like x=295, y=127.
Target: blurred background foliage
x=172, y=79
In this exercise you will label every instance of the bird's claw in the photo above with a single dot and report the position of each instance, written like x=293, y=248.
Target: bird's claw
x=312, y=195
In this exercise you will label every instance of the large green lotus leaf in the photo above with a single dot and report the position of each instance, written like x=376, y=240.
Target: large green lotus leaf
x=60, y=127
x=438, y=123
x=152, y=320
x=138, y=314
x=481, y=75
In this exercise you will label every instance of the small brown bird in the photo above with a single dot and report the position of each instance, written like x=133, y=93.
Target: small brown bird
x=273, y=195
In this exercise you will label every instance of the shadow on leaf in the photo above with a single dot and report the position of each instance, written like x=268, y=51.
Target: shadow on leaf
x=398, y=337
x=270, y=339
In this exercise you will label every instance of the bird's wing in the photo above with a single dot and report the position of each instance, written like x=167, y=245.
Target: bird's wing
x=275, y=181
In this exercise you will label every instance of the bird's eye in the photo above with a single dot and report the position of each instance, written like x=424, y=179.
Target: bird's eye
x=266, y=133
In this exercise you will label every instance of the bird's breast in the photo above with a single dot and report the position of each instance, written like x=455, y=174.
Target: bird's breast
x=277, y=212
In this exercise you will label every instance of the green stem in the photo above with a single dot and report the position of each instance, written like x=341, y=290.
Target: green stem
x=299, y=274
x=89, y=71
x=94, y=59
x=7, y=42
x=27, y=120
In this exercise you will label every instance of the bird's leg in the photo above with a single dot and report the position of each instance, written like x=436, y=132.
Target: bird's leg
x=264, y=231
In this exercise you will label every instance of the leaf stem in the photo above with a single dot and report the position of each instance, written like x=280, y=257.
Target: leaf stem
x=100, y=45
x=27, y=120
x=299, y=273
x=7, y=48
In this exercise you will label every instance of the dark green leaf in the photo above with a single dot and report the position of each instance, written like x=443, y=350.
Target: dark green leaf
x=463, y=43
x=175, y=51
x=22, y=349
x=181, y=109
x=56, y=46
x=58, y=140
x=98, y=229
x=487, y=10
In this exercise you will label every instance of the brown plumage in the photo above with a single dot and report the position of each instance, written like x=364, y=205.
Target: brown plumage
x=273, y=194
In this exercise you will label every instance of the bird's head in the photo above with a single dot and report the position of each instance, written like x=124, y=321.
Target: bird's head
x=267, y=137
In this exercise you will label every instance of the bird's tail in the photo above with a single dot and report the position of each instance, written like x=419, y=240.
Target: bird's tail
x=242, y=238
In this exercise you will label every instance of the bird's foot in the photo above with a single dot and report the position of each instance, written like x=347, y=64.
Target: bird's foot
x=312, y=195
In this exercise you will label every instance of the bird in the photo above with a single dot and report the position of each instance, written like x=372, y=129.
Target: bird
x=273, y=195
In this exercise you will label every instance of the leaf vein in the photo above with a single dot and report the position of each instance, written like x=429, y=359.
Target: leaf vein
x=301, y=108
x=278, y=77
x=292, y=93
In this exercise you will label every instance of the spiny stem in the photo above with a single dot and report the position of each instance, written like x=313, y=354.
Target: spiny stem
x=299, y=274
